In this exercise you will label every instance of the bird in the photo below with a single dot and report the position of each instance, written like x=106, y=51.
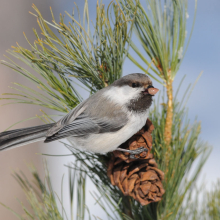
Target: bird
x=101, y=123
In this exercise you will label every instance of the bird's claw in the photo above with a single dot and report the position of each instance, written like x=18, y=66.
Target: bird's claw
x=133, y=152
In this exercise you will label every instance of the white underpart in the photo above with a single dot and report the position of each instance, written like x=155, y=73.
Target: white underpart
x=106, y=142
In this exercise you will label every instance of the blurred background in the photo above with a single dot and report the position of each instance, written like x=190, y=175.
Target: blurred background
x=203, y=54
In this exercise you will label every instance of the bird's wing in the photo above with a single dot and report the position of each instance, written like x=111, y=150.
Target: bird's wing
x=67, y=119
x=85, y=125
x=97, y=114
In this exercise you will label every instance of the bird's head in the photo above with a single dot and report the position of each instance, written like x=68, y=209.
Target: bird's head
x=133, y=90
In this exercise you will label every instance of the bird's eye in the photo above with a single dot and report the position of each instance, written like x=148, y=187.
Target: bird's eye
x=134, y=85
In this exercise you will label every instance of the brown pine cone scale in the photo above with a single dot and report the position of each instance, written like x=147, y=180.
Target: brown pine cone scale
x=141, y=179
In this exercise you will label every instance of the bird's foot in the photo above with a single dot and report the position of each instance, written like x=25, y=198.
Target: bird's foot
x=133, y=152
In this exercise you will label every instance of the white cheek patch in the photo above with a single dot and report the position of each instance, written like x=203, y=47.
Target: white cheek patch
x=122, y=95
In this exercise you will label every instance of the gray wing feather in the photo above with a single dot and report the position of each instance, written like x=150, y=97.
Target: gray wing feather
x=67, y=119
x=83, y=125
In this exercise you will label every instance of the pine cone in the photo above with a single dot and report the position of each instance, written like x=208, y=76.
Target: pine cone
x=140, y=179
x=142, y=138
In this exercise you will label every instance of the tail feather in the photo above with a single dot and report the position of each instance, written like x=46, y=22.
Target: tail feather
x=23, y=136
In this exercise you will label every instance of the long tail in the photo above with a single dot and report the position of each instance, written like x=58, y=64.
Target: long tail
x=23, y=136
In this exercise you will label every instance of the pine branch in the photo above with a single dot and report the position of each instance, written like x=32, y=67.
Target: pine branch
x=93, y=60
x=161, y=30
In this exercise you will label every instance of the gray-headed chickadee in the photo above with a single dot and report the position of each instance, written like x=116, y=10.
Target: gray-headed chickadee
x=99, y=124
